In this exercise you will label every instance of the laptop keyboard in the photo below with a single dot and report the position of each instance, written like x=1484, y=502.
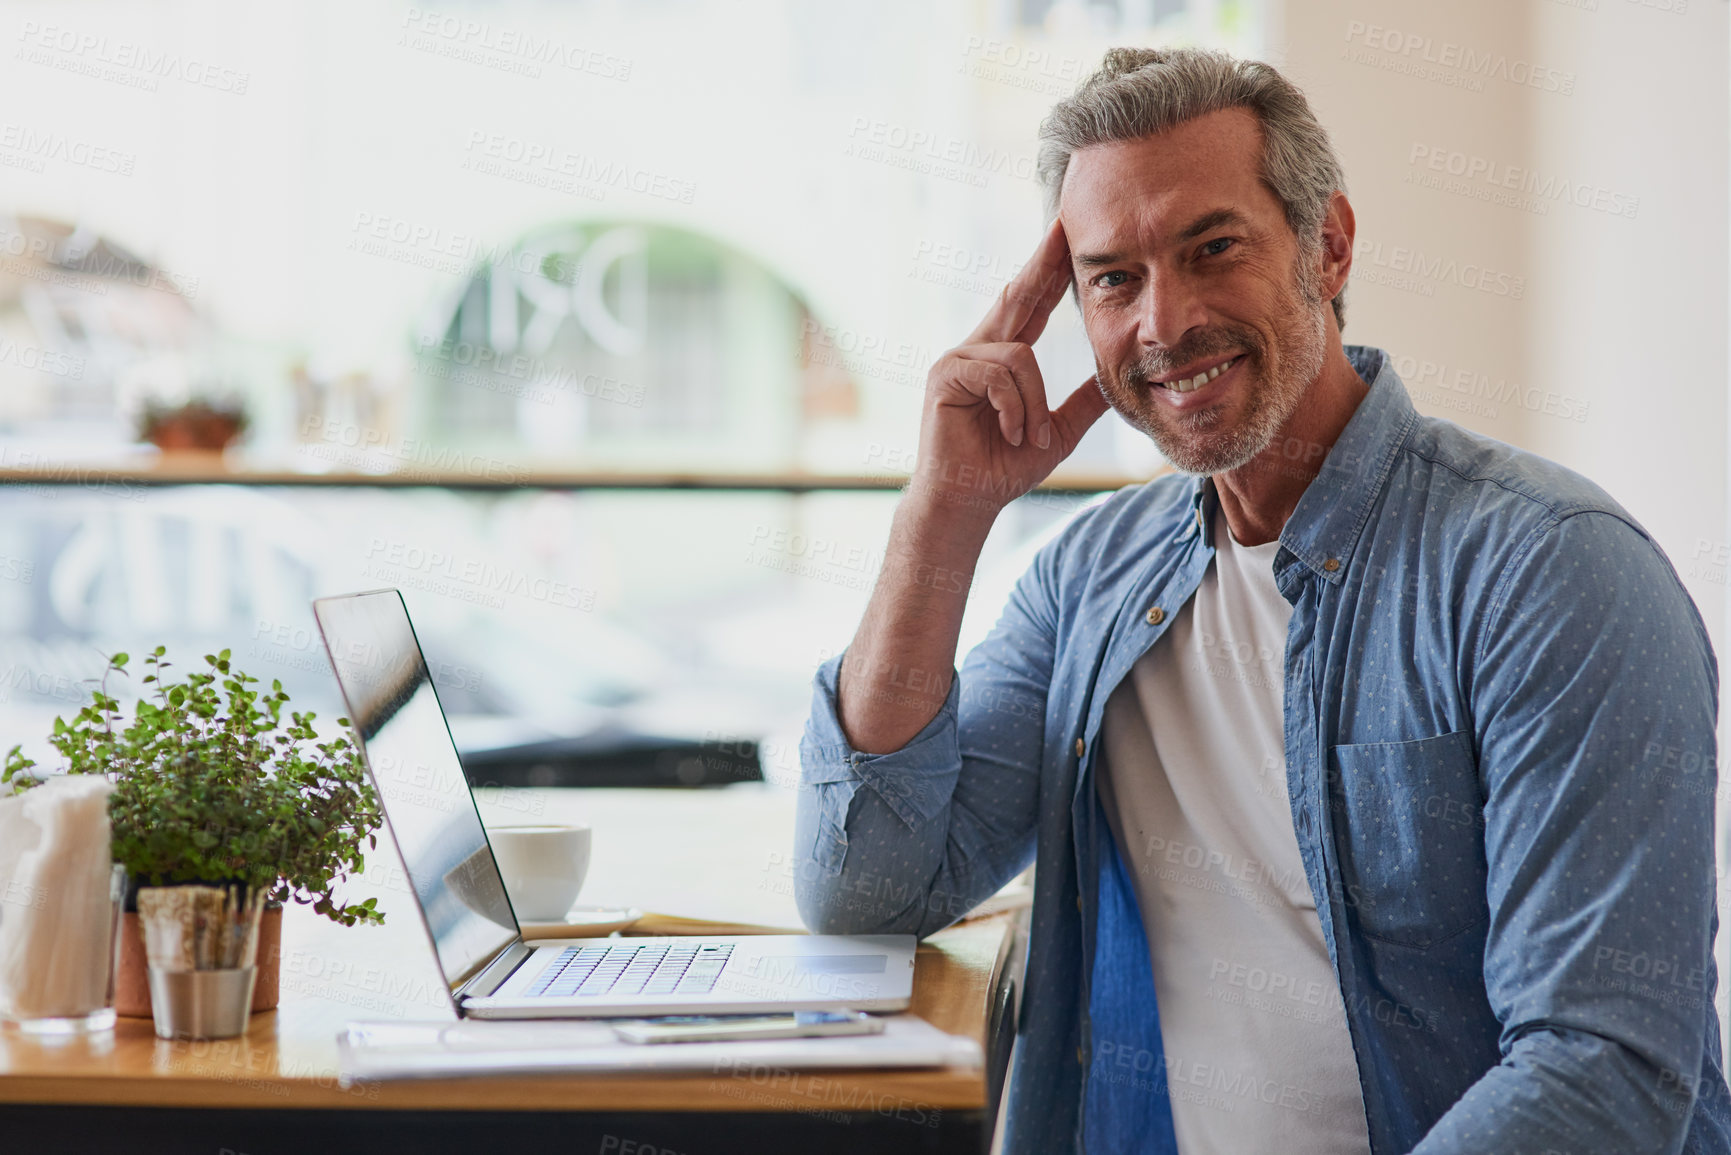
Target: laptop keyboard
x=660, y=969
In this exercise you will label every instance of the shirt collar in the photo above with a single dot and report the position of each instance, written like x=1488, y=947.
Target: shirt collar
x=1334, y=508
x=1330, y=516
x=1203, y=502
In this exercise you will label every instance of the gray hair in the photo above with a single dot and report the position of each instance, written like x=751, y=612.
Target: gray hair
x=1140, y=92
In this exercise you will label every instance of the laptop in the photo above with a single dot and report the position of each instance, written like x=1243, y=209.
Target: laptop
x=490, y=971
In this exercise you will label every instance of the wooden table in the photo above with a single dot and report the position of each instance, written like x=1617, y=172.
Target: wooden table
x=275, y=1088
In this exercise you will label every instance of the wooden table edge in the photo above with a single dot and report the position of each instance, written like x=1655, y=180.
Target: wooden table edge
x=210, y=1083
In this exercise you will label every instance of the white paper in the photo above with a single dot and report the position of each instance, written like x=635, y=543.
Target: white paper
x=398, y=1050
x=56, y=909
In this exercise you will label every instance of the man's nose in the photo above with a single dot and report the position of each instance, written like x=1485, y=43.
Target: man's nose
x=1170, y=308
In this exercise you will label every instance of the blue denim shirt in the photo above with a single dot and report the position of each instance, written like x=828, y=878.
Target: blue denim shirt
x=1499, y=726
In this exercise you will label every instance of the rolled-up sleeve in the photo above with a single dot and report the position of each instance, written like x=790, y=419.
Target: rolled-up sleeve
x=910, y=841
x=1594, y=690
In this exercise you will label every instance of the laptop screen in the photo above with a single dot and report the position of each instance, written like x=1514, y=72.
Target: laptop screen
x=414, y=765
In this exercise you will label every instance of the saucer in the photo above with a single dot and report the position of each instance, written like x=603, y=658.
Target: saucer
x=585, y=922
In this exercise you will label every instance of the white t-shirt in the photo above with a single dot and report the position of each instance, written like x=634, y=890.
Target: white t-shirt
x=1194, y=785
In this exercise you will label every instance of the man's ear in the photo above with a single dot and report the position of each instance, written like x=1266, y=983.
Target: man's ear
x=1338, y=229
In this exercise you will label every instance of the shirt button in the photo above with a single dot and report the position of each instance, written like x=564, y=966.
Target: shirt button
x=1156, y=616
x=1078, y=902
x=1331, y=564
x=1079, y=1054
x=1081, y=747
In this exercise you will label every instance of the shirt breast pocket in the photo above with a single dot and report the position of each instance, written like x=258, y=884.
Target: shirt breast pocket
x=1409, y=833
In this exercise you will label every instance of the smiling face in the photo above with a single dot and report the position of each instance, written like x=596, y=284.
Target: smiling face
x=1208, y=326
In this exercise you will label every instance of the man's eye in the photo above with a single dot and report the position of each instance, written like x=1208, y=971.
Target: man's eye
x=1217, y=246
x=1105, y=281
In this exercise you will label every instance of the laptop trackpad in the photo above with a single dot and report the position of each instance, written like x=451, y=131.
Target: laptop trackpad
x=825, y=964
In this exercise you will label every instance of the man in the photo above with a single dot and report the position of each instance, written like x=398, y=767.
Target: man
x=1352, y=758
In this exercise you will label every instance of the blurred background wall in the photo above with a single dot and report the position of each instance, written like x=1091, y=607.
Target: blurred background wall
x=1539, y=188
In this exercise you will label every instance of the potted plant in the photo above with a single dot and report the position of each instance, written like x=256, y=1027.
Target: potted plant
x=211, y=786
x=199, y=425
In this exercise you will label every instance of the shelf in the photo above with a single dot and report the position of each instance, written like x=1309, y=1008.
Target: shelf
x=215, y=471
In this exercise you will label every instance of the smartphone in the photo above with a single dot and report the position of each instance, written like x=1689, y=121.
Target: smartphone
x=722, y=1028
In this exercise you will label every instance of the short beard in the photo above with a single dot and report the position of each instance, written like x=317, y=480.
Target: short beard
x=1196, y=443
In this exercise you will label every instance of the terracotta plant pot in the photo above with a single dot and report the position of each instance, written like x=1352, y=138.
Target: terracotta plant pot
x=196, y=427
x=132, y=982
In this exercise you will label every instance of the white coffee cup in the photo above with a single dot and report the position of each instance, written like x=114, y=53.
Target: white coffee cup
x=544, y=867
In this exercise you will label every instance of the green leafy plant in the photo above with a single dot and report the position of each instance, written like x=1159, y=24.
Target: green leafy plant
x=210, y=785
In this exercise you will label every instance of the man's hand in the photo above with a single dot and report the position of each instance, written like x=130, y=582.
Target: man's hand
x=986, y=438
